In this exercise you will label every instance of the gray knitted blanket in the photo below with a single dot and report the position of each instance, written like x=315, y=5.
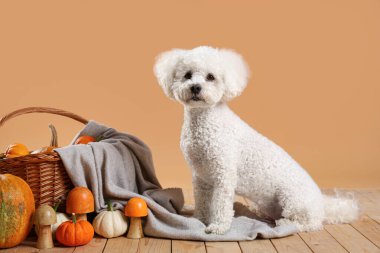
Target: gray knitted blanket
x=120, y=167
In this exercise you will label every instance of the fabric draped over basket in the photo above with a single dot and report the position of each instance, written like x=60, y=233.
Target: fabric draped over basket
x=120, y=167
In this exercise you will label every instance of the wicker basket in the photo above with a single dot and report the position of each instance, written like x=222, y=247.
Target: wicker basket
x=44, y=172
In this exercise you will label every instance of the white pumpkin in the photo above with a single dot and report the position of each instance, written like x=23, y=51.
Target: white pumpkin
x=61, y=217
x=110, y=223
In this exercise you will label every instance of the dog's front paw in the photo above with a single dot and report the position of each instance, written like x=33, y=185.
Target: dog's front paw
x=218, y=229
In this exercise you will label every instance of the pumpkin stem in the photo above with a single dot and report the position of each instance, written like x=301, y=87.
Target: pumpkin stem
x=74, y=218
x=57, y=205
x=54, y=136
x=109, y=206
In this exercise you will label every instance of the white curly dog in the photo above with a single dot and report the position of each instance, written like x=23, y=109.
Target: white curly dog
x=229, y=157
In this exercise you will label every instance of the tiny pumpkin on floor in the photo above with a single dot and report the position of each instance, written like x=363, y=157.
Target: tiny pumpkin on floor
x=110, y=223
x=75, y=232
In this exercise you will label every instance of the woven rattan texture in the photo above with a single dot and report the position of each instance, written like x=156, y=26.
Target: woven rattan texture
x=44, y=172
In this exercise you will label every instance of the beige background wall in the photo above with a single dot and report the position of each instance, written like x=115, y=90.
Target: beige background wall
x=315, y=87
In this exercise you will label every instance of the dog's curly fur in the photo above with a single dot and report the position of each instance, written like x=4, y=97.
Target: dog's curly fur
x=229, y=157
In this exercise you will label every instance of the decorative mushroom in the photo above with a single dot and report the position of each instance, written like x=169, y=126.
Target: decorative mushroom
x=61, y=217
x=80, y=201
x=45, y=217
x=135, y=209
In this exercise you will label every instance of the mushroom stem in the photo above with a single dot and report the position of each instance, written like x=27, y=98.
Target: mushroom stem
x=135, y=228
x=81, y=216
x=45, y=240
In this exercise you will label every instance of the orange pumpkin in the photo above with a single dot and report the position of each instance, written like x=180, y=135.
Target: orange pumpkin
x=75, y=233
x=16, y=210
x=85, y=139
x=16, y=150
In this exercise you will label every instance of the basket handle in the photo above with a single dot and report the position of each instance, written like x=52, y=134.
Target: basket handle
x=42, y=110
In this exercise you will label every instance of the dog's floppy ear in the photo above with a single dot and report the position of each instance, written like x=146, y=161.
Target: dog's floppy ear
x=236, y=73
x=164, y=69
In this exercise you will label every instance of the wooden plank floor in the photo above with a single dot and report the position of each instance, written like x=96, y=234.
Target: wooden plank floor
x=361, y=236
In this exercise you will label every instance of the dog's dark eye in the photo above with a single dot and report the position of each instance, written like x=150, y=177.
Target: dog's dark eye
x=210, y=77
x=188, y=75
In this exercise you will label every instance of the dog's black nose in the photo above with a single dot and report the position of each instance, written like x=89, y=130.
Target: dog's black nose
x=196, y=89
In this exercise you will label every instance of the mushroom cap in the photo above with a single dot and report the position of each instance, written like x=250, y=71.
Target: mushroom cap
x=80, y=200
x=136, y=207
x=45, y=215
